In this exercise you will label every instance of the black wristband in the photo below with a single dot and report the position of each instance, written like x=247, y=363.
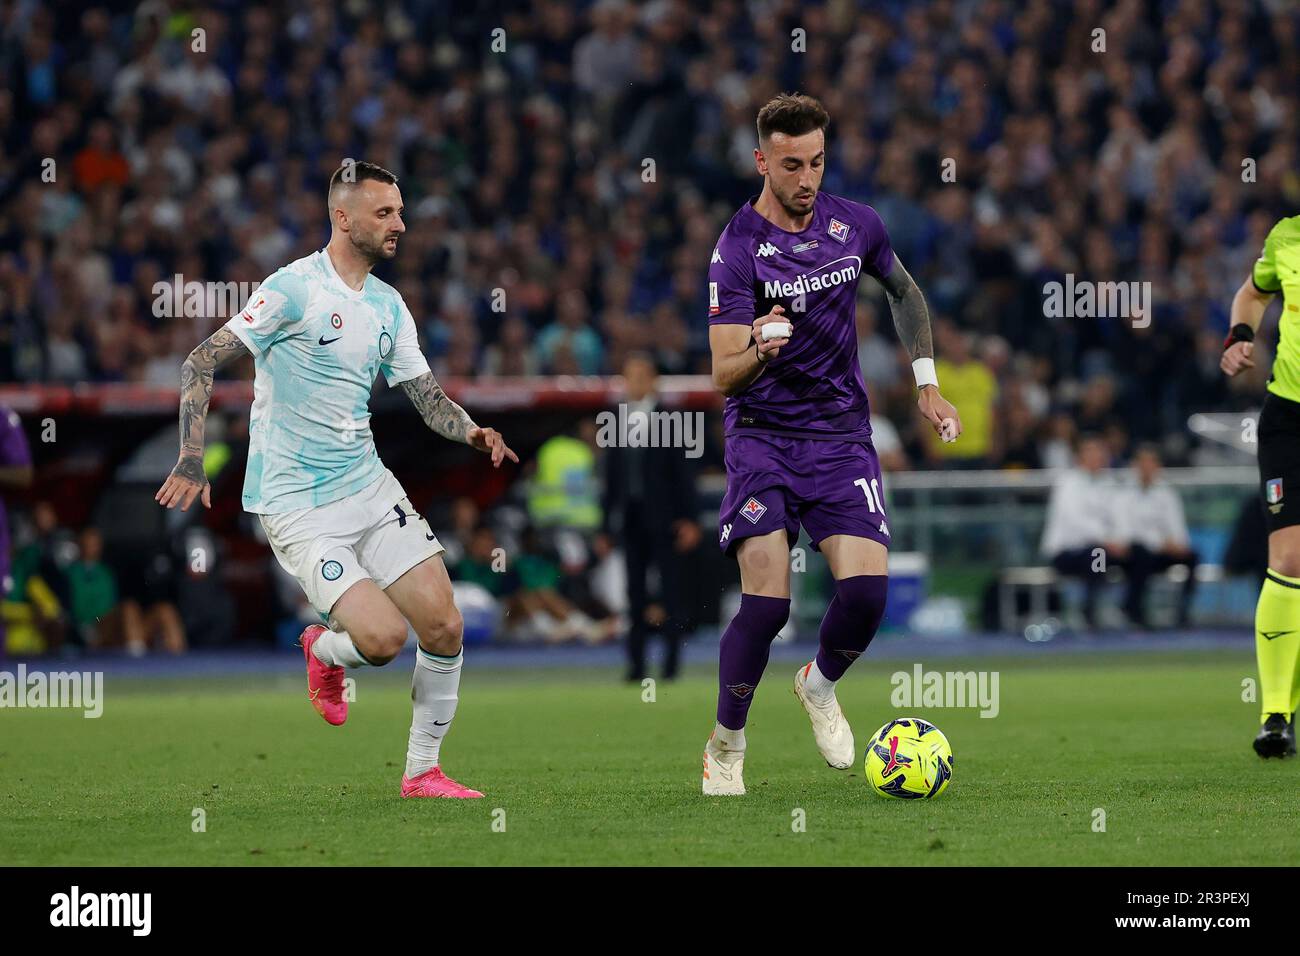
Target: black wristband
x=1241, y=332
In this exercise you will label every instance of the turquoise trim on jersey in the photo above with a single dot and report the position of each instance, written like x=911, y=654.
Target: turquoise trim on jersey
x=318, y=346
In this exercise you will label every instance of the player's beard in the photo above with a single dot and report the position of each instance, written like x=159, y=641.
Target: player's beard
x=372, y=251
x=791, y=207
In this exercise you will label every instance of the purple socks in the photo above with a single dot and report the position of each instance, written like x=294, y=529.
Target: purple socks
x=848, y=627
x=743, y=653
x=850, y=622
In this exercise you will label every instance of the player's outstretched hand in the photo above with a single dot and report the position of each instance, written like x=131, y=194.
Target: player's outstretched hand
x=186, y=482
x=768, y=350
x=1237, y=357
x=490, y=440
x=940, y=413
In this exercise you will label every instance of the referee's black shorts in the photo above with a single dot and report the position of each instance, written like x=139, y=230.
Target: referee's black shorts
x=1279, y=461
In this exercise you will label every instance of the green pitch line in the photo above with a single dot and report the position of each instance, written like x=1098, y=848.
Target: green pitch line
x=586, y=772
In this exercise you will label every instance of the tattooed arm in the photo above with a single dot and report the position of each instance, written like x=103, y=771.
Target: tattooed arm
x=438, y=411
x=187, y=480
x=449, y=420
x=912, y=322
x=911, y=317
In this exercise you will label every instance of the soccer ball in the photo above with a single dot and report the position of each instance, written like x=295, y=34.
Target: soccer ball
x=910, y=759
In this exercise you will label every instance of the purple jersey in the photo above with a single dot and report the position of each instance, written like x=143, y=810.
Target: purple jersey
x=814, y=388
x=14, y=453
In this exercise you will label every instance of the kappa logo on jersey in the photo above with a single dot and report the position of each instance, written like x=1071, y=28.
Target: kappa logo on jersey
x=767, y=249
x=753, y=509
x=726, y=533
x=1273, y=491
x=713, y=298
x=717, y=256
x=839, y=231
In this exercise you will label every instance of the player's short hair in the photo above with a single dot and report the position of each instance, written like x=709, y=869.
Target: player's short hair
x=352, y=173
x=793, y=114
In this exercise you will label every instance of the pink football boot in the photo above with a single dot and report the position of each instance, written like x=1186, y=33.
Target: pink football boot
x=324, y=683
x=435, y=783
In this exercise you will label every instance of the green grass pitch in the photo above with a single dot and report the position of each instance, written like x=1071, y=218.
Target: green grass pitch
x=588, y=773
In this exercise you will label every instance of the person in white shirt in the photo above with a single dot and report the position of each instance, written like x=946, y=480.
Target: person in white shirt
x=1083, y=534
x=1154, y=527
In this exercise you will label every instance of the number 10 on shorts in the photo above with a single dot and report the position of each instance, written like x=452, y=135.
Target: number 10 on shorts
x=872, y=491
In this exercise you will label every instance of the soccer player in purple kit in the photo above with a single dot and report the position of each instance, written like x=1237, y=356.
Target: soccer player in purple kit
x=798, y=430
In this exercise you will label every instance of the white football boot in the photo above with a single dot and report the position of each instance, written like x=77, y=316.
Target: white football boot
x=723, y=770
x=830, y=729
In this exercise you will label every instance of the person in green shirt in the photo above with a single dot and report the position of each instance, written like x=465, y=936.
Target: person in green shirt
x=1277, y=615
x=92, y=588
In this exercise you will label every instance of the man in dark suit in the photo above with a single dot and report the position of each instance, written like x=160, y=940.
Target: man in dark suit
x=650, y=509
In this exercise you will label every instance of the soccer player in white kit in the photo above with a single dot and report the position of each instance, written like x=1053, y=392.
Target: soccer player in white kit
x=319, y=331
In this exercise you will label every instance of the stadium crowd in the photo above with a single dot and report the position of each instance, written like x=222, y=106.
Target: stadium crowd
x=566, y=177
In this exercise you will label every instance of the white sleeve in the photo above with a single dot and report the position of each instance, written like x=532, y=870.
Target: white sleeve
x=273, y=312
x=406, y=361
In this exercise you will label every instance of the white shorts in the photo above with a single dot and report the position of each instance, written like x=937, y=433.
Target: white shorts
x=375, y=533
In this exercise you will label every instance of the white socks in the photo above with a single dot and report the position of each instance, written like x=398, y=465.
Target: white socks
x=818, y=685
x=435, y=690
x=725, y=739
x=336, y=649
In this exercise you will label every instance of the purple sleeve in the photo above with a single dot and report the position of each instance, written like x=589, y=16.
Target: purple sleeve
x=14, y=452
x=877, y=252
x=731, y=284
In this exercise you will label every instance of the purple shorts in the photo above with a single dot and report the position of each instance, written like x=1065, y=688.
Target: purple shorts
x=778, y=481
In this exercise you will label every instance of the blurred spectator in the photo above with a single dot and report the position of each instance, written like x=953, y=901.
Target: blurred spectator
x=1083, y=531
x=40, y=575
x=569, y=346
x=971, y=386
x=657, y=528
x=15, y=475
x=94, y=601
x=1153, y=525
x=548, y=613
x=563, y=490
x=524, y=175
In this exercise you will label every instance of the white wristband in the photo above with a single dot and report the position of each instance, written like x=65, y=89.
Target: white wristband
x=923, y=371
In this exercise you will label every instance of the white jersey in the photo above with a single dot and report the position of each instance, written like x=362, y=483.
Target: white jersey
x=317, y=347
